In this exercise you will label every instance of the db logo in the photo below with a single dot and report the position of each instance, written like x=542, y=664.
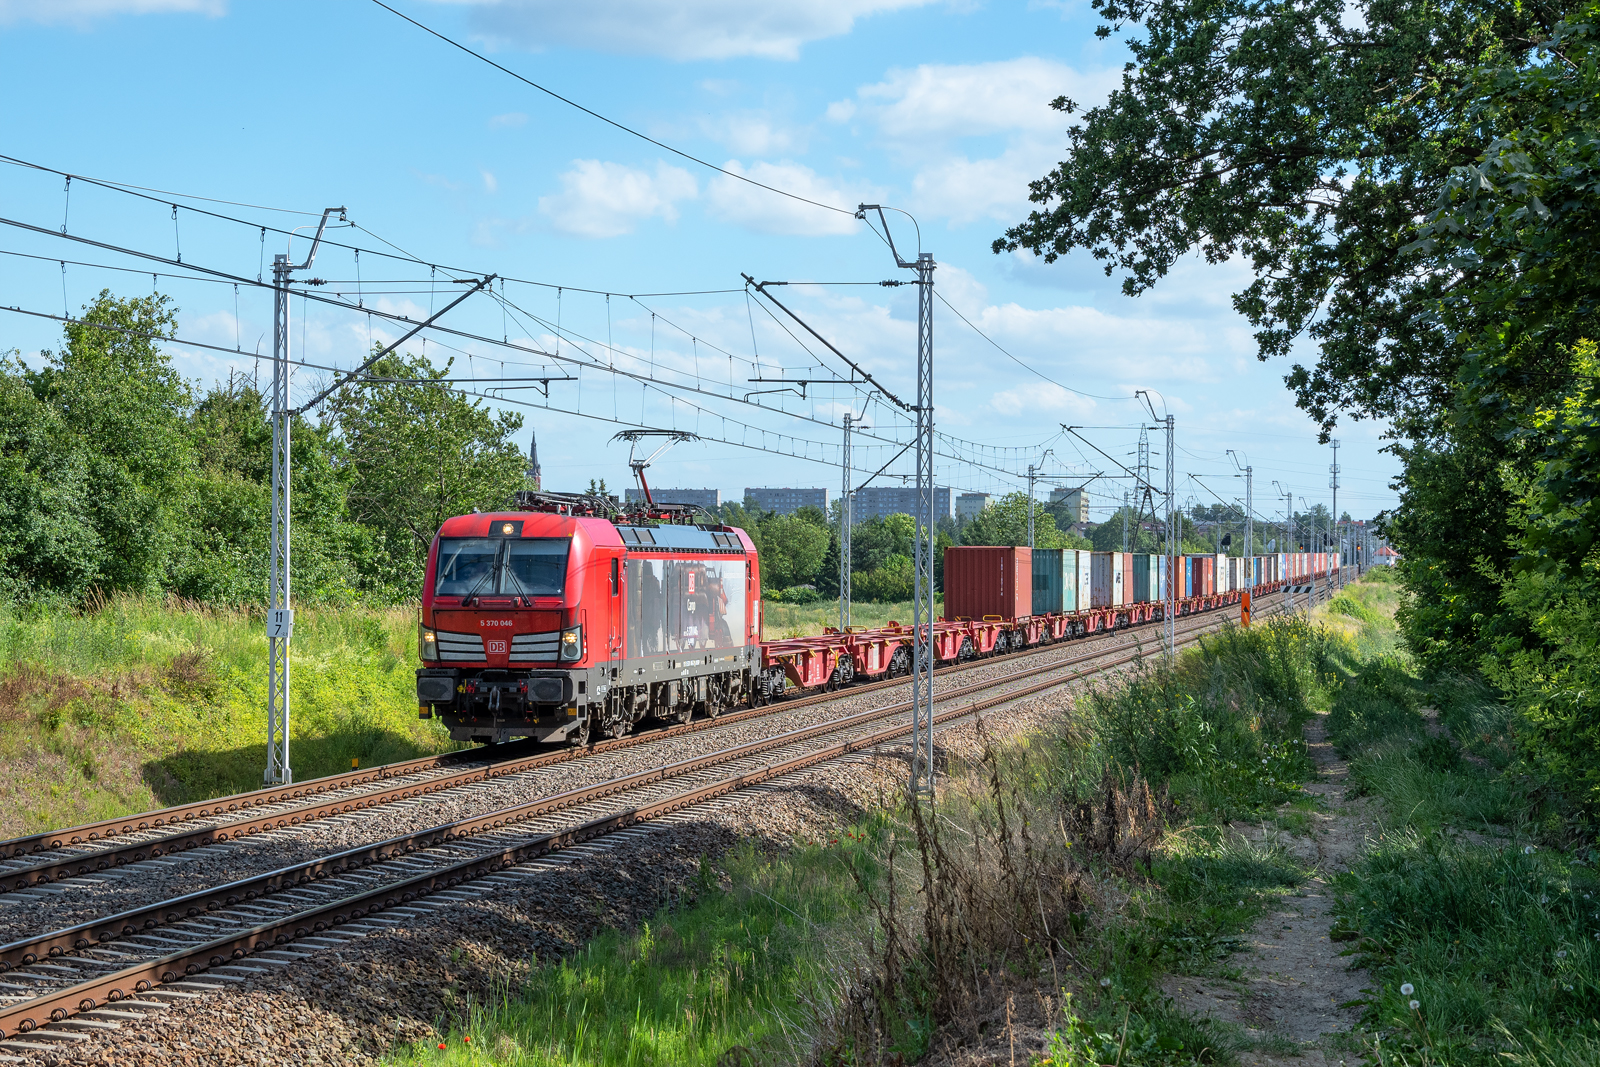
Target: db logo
x=496, y=647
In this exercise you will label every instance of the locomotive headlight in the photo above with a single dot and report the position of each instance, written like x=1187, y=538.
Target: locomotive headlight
x=572, y=643
x=427, y=644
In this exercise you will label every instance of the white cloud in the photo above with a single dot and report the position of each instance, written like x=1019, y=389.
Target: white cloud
x=752, y=134
x=965, y=190
x=1042, y=398
x=600, y=199
x=509, y=120
x=686, y=30
x=490, y=183
x=920, y=112
x=936, y=100
x=841, y=111
x=81, y=13
x=767, y=212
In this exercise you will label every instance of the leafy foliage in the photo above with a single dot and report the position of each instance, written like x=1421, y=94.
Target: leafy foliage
x=115, y=476
x=421, y=453
x=1005, y=522
x=1306, y=142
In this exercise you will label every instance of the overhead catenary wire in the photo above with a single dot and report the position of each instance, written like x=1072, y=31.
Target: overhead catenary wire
x=228, y=276
x=965, y=452
x=612, y=122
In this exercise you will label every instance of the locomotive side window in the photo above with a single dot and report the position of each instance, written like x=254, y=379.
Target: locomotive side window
x=676, y=605
x=481, y=566
x=535, y=567
x=466, y=566
x=613, y=577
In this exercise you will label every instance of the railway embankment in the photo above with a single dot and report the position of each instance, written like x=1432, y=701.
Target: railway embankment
x=139, y=703
x=1083, y=843
x=1289, y=849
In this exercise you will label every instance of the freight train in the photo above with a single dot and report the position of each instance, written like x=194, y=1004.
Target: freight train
x=570, y=619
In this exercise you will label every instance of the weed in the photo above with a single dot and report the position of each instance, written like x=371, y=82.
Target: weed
x=1481, y=938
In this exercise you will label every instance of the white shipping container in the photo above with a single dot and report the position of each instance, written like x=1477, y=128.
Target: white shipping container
x=1105, y=579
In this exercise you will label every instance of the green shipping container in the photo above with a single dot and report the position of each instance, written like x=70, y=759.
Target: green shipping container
x=1049, y=580
x=1144, y=568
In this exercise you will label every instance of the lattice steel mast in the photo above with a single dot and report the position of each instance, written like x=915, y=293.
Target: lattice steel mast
x=280, y=613
x=922, y=772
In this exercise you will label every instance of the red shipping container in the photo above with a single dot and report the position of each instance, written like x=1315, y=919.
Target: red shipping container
x=1127, y=577
x=981, y=580
x=1208, y=571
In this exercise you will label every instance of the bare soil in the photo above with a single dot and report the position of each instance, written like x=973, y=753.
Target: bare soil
x=1291, y=983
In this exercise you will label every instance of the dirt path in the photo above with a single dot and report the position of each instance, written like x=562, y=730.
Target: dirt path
x=1292, y=978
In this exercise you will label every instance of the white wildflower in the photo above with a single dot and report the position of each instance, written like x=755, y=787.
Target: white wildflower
x=1104, y=982
x=1407, y=989
x=1562, y=954
x=1527, y=850
x=1415, y=1004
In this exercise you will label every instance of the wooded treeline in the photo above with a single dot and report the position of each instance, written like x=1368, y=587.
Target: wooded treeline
x=116, y=475
x=1415, y=188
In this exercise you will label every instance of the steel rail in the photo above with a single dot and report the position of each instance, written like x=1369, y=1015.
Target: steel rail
x=57, y=1005
x=131, y=923
x=87, y=833
x=84, y=864
x=26, y=1016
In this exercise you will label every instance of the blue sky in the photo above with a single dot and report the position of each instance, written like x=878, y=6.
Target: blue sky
x=938, y=108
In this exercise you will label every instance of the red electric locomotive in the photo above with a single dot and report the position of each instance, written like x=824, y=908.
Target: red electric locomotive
x=567, y=619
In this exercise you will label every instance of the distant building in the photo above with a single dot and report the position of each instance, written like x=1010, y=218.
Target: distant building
x=969, y=504
x=710, y=499
x=788, y=501
x=1075, y=502
x=876, y=501
x=533, y=462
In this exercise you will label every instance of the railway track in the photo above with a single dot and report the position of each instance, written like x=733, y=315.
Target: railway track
x=98, y=974
x=46, y=858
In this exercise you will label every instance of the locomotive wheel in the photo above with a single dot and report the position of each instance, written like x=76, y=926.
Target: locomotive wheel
x=579, y=738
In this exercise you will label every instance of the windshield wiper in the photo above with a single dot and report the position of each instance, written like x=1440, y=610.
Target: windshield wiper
x=511, y=573
x=486, y=575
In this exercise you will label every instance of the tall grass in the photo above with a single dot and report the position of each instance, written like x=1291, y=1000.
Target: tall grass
x=807, y=620
x=140, y=702
x=738, y=978
x=1222, y=727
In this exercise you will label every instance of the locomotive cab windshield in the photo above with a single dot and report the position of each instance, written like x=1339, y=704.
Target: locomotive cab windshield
x=501, y=566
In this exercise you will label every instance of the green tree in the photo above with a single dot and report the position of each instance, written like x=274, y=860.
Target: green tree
x=223, y=545
x=123, y=405
x=48, y=541
x=792, y=549
x=1005, y=522
x=1309, y=143
x=420, y=453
